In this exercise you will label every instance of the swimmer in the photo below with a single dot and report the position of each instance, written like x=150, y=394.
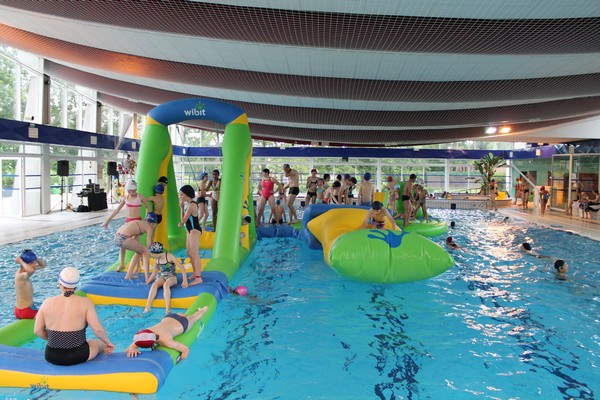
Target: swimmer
x=561, y=268
x=376, y=216
x=239, y=291
x=451, y=244
x=526, y=248
x=163, y=333
x=452, y=224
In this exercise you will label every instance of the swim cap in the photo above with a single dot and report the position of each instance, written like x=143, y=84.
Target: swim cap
x=203, y=175
x=151, y=217
x=69, y=277
x=188, y=191
x=163, y=179
x=367, y=176
x=278, y=202
x=558, y=264
x=493, y=180
x=543, y=188
x=131, y=185
x=160, y=189
x=337, y=184
x=28, y=256
x=353, y=180
x=241, y=290
x=526, y=246
x=247, y=219
x=145, y=339
x=452, y=224
x=346, y=176
x=376, y=205
x=449, y=239
x=390, y=179
x=286, y=165
x=156, y=248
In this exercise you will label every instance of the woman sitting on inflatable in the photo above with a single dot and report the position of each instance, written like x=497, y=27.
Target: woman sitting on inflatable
x=375, y=218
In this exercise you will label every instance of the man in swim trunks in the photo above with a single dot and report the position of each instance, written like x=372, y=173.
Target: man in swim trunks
x=163, y=333
x=29, y=263
x=294, y=186
x=407, y=198
x=312, y=188
x=366, y=190
x=375, y=218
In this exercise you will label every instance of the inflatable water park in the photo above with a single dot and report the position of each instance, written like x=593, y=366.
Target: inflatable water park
x=386, y=255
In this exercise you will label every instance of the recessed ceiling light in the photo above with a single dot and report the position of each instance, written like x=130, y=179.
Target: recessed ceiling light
x=491, y=130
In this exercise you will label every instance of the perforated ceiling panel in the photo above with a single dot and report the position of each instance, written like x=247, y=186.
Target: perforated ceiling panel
x=361, y=75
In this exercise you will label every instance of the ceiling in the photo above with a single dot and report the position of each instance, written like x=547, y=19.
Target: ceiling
x=352, y=72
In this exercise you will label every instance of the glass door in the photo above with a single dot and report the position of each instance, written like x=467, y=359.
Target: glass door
x=11, y=199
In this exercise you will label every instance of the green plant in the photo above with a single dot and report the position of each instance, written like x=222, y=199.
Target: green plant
x=487, y=167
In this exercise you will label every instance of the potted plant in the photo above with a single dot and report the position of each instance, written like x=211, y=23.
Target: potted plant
x=487, y=167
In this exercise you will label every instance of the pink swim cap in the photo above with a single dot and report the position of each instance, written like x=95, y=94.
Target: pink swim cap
x=241, y=290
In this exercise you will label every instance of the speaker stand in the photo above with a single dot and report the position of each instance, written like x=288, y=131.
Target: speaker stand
x=62, y=191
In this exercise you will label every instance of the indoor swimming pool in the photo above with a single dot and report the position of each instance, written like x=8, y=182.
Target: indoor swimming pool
x=497, y=325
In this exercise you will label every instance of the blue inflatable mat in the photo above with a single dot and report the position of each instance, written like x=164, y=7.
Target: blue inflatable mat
x=28, y=368
x=113, y=284
x=271, y=231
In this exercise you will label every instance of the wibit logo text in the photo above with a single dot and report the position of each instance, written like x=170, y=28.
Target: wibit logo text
x=197, y=111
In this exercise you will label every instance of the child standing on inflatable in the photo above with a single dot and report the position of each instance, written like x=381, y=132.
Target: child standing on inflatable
x=29, y=263
x=421, y=200
x=126, y=238
x=189, y=218
x=165, y=272
x=393, y=193
x=158, y=202
x=202, y=201
x=407, y=198
x=215, y=185
x=133, y=200
x=376, y=216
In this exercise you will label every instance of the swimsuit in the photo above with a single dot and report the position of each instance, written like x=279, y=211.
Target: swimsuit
x=274, y=222
x=201, y=200
x=166, y=270
x=267, y=188
x=120, y=238
x=158, y=218
x=67, y=347
x=294, y=190
x=133, y=219
x=137, y=201
x=377, y=224
x=405, y=197
x=192, y=222
x=25, y=313
x=179, y=318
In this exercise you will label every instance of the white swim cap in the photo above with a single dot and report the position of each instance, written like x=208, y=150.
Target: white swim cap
x=69, y=277
x=131, y=185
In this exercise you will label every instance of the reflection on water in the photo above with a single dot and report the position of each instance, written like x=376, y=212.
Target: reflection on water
x=497, y=325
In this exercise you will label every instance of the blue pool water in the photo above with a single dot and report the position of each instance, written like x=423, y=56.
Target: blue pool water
x=497, y=325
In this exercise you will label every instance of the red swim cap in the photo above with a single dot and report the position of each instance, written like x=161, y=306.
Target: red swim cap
x=145, y=339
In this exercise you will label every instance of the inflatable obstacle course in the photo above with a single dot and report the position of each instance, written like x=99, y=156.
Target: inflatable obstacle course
x=372, y=255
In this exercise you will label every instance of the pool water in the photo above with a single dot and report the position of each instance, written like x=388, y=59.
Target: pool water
x=497, y=325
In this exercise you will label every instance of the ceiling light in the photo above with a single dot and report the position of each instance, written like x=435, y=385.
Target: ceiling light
x=491, y=130
x=505, y=129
